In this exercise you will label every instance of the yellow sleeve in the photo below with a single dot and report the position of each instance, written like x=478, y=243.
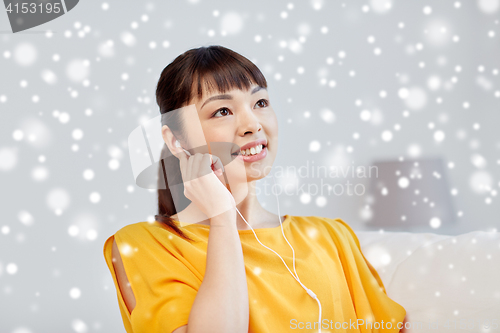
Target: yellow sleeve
x=121, y=303
x=355, y=245
x=163, y=286
x=367, y=289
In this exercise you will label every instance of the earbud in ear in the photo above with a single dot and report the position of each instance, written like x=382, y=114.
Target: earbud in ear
x=177, y=143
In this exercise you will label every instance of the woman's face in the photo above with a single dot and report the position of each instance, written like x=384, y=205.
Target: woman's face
x=238, y=117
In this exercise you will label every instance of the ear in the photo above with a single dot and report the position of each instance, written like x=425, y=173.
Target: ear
x=170, y=139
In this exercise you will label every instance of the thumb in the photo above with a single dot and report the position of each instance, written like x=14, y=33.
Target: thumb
x=217, y=167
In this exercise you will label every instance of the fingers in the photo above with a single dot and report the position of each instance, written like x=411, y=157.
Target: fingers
x=217, y=163
x=198, y=169
x=199, y=164
x=218, y=168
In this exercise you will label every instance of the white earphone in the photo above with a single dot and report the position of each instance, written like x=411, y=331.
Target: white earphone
x=178, y=144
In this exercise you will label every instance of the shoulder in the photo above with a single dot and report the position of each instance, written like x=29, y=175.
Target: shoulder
x=344, y=229
x=139, y=234
x=336, y=227
x=138, y=227
x=143, y=229
x=331, y=223
x=336, y=223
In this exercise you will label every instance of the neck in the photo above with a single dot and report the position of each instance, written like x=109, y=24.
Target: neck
x=252, y=210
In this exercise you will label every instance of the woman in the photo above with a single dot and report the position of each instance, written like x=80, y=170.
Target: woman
x=199, y=266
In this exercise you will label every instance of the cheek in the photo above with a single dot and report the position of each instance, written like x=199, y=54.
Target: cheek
x=270, y=124
x=218, y=134
x=272, y=128
x=275, y=123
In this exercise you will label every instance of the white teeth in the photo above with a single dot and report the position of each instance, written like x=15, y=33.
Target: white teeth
x=252, y=151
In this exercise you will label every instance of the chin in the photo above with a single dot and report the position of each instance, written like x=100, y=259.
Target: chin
x=259, y=170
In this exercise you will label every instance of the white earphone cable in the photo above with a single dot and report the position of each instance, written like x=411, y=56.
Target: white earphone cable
x=296, y=276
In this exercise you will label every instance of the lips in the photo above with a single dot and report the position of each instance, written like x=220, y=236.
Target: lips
x=249, y=145
x=253, y=158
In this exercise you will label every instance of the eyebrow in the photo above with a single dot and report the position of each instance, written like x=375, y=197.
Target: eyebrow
x=226, y=96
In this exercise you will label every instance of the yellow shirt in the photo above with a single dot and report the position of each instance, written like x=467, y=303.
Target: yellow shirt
x=165, y=272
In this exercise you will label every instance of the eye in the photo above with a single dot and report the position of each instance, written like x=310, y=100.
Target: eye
x=219, y=110
x=264, y=100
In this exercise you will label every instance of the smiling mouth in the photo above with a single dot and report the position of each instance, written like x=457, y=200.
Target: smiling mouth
x=248, y=151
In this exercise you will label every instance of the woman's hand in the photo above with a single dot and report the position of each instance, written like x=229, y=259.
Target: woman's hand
x=204, y=185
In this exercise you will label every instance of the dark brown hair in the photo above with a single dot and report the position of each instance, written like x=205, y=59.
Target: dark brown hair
x=215, y=68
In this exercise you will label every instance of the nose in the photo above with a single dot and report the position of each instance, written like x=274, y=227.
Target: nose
x=248, y=122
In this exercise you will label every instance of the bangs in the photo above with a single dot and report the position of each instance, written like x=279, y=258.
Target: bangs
x=220, y=72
